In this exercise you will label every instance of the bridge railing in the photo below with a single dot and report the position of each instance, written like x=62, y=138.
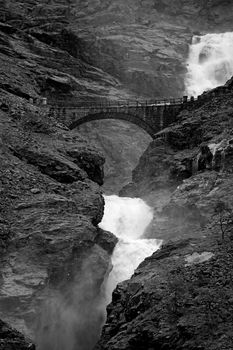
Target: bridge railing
x=101, y=104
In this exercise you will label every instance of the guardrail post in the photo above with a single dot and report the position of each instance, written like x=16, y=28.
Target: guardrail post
x=44, y=101
x=161, y=121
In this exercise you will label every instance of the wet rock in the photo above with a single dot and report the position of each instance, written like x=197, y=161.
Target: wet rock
x=169, y=175
x=196, y=258
x=35, y=190
x=11, y=339
x=91, y=162
x=61, y=84
x=47, y=225
x=57, y=167
x=130, y=46
x=204, y=158
x=170, y=303
x=106, y=240
x=6, y=28
x=180, y=296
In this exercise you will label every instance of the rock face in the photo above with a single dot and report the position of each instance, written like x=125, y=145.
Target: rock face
x=145, y=43
x=123, y=49
x=49, y=210
x=50, y=200
x=13, y=340
x=180, y=297
x=194, y=155
x=36, y=40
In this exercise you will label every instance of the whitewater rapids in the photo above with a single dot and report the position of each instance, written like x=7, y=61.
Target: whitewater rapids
x=128, y=219
x=210, y=62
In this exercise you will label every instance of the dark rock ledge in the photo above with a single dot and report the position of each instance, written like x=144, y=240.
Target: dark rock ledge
x=10, y=339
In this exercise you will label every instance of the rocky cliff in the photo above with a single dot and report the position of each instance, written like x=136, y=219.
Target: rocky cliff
x=145, y=43
x=139, y=47
x=180, y=297
x=50, y=203
x=185, y=163
x=50, y=208
x=12, y=339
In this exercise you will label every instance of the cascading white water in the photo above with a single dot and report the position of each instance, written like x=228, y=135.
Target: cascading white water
x=72, y=319
x=210, y=62
x=127, y=218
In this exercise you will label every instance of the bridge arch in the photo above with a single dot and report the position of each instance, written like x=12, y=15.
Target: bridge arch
x=114, y=115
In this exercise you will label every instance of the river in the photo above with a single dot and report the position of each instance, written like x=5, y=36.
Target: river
x=128, y=219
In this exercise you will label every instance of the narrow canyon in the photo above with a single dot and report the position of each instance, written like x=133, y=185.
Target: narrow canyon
x=112, y=236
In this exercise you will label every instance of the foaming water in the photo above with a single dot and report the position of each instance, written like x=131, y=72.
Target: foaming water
x=128, y=219
x=210, y=62
x=72, y=318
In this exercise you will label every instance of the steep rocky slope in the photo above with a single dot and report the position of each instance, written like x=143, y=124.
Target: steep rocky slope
x=13, y=340
x=202, y=133
x=50, y=203
x=50, y=206
x=142, y=44
x=181, y=296
x=145, y=43
x=39, y=48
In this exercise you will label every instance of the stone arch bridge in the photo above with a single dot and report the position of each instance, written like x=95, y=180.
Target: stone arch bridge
x=151, y=116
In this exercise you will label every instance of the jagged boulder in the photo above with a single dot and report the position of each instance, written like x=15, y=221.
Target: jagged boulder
x=10, y=339
x=180, y=298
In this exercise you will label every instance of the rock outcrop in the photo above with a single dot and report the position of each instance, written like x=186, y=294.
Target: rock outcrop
x=10, y=339
x=50, y=203
x=187, y=168
x=180, y=297
x=43, y=51
x=50, y=207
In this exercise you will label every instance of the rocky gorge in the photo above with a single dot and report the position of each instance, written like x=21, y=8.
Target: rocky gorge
x=54, y=257
x=180, y=297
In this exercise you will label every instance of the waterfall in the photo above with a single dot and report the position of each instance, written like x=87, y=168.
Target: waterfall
x=127, y=218
x=73, y=319
x=210, y=62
